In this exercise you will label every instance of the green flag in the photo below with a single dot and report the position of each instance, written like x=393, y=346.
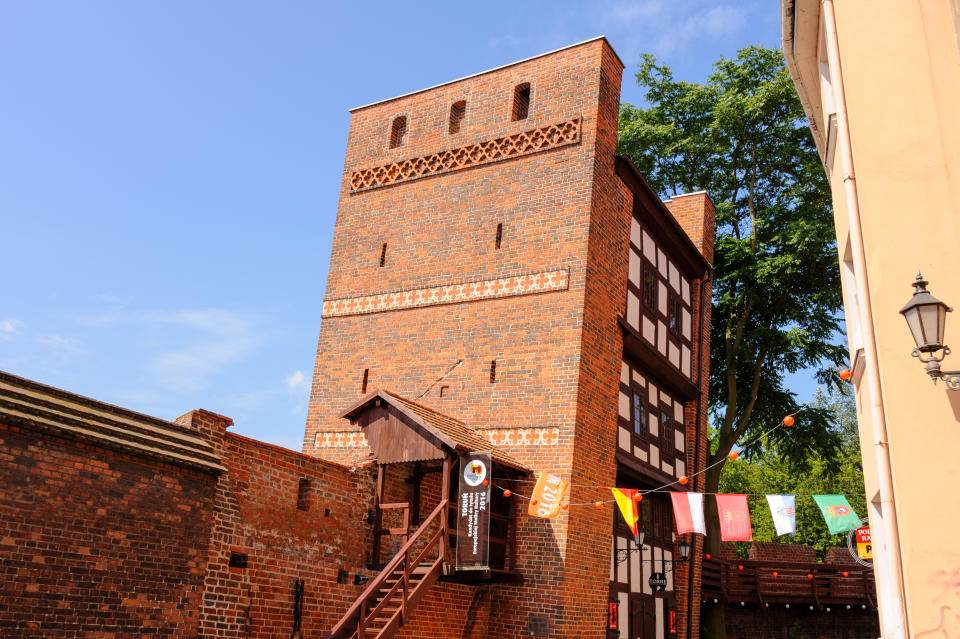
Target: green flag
x=837, y=512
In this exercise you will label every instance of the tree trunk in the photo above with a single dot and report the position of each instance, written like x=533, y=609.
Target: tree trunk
x=712, y=617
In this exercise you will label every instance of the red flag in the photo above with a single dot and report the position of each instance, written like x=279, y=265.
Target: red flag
x=688, y=511
x=734, y=518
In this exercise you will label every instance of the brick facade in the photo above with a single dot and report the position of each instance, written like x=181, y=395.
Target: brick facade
x=97, y=542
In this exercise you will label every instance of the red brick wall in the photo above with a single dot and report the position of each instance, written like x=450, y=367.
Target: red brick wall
x=779, y=622
x=773, y=551
x=95, y=542
x=256, y=514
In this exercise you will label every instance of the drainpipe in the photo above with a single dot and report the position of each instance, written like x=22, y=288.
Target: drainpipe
x=890, y=589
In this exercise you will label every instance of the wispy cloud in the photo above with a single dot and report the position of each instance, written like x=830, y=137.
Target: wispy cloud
x=198, y=344
x=9, y=328
x=62, y=345
x=297, y=385
x=718, y=22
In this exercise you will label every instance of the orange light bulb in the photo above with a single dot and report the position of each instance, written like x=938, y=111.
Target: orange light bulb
x=733, y=455
x=845, y=374
x=683, y=480
x=507, y=493
x=598, y=504
x=533, y=501
x=788, y=421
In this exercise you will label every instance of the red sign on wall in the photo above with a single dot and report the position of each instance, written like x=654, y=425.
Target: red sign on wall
x=673, y=622
x=613, y=623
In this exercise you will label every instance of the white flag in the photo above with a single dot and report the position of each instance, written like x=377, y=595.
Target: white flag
x=783, y=509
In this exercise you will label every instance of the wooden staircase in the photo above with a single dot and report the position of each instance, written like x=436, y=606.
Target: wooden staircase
x=391, y=596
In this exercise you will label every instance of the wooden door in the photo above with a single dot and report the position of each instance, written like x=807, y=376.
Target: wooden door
x=643, y=617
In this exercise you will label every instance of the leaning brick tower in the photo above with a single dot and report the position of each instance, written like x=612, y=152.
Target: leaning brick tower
x=479, y=265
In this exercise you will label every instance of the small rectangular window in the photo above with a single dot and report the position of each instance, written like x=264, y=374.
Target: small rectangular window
x=639, y=415
x=493, y=371
x=457, y=111
x=303, y=494
x=383, y=254
x=673, y=314
x=499, y=235
x=649, y=287
x=521, y=102
x=238, y=560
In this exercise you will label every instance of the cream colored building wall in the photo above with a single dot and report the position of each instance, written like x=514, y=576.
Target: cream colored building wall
x=901, y=74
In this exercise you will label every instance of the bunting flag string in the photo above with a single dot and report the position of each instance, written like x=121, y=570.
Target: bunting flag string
x=734, y=518
x=688, y=512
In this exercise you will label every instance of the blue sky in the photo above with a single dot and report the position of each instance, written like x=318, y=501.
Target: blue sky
x=169, y=173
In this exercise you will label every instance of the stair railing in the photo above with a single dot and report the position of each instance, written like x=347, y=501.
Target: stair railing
x=360, y=615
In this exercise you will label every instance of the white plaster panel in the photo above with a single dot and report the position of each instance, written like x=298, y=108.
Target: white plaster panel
x=674, y=277
x=681, y=468
x=660, y=629
x=666, y=399
x=654, y=425
x=633, y=311
x=654, y=455
x=636, y=233
x=662, y=297
x=653, y=393
x=662, y=262
x=624, y=373
x=638, y=379
x=649, y=330
x=685, y=322
x=635, y=572
x=667, y=556
x=634, y=269
x=674, y=354
x=613, y=553
x=622, y=567
x=623, y=615
x=667, y=468
x=661, y=337
x=685, y=289
x=649, y=248
x=623, y=438
x=647, y=565
x=685, y=360
x=678, y=411
x=640, y=453
x=624, y=406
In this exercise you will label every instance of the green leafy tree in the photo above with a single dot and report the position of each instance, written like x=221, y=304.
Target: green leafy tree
x=771, y=472
x=742, y=137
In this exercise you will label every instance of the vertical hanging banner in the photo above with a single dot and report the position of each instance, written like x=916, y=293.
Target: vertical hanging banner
x=547, y=495
x=837, y=512
x=473, y=521
x=734, y=518
x=688, y=511
x=783, y=508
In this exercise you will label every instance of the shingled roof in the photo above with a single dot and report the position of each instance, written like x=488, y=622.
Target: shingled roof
x=28, y=403
x=452, y=432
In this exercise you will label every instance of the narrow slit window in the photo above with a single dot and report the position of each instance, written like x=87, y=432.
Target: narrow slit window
x=303, y=494
x=499, y=235
x=397, y=131
x=493, y=371
x=521, y=102
x=366, y=378
x=457, y=111
x=639, y=415
x=383, y=255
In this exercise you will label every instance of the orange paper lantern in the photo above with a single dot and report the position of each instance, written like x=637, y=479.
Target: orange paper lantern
x=484, y=482
x=788, y=421
x=598, y=504
x=507, y=493
x=533, y=501
x=846, y=574
x=740, y=567
x=638, y=497
x=564, y=506
x=707, y=555
x=733, y=455
x=683, y=480
x=775, y=574
x=809, y=576
x=845, y=374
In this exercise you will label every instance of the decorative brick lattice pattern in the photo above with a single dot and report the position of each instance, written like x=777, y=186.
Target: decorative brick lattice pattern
x=449, y=294
x=522, y=436
x=465, y=157
x=341, y=439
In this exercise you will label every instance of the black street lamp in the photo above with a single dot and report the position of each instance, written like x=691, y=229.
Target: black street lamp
x=926, y=317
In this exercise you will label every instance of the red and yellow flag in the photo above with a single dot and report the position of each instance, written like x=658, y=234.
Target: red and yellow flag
x=627, y=502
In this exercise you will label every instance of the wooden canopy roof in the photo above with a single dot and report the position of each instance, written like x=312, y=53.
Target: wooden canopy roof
x=401, y=430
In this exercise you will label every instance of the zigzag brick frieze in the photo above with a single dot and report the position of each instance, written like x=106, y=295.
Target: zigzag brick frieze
x=465, y=157
x=449, y=294
x=341, y=439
